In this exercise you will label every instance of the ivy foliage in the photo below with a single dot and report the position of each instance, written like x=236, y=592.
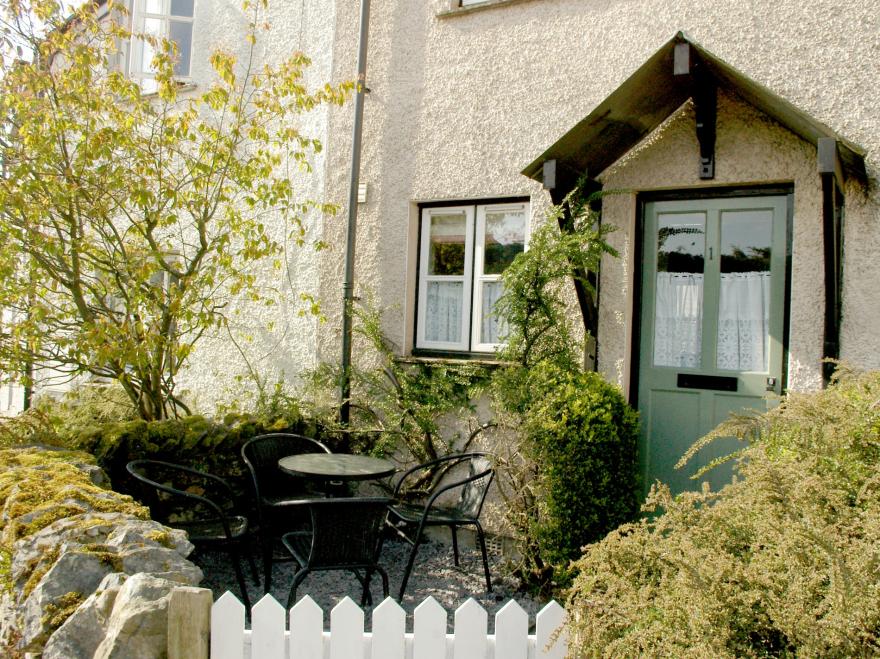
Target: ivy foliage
x=132, y=221
x=403, y=404
x=567, y=455
x=781, y=562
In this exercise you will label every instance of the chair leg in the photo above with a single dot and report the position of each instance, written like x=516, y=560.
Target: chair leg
x=239, y=575
x=384, y=575
x=409, y=564
x=482, y=539
x=297, y=580
x=267, y=562
x=255, y=573
x=366, y=595
x=454, y=544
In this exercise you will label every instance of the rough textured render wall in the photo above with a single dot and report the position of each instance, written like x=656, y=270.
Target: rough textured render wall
x=750, y=149
x=461, y=101
x=275, y=340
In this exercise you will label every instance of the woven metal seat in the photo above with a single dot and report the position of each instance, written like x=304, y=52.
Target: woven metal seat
x=199, y=503
x=273, y=488
x=465, y=511
x=346, y=534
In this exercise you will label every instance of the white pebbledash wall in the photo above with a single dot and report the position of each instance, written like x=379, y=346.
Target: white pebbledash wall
x=278, y=341
x=461, y=99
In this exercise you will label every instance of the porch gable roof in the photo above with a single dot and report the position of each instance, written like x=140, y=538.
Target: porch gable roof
x=651, y=94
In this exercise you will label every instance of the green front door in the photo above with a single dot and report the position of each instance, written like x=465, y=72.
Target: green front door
x=712, y=317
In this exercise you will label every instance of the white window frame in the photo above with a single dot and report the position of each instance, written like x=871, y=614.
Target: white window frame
x=472, y=279
x=480, y=277
x=137, y=66
x=425, y=278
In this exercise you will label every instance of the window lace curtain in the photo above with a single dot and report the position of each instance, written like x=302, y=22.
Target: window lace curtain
x=744, y=321
x=678, y=319
x=443, y=312
x=492, y=330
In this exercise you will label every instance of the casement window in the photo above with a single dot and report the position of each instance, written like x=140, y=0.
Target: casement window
x=168, y=19
x=463, y=251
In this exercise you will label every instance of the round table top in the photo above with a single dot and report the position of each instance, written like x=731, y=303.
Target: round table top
x=336, y=466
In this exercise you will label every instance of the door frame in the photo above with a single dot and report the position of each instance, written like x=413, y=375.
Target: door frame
x=642, y=198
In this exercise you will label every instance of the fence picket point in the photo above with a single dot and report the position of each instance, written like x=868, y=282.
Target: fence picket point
x=547, y=622
x=471, y=623
x=227, y=628
x=512, y=632
x=389, y=631
x=267, y=629
x=429, y=630
x=306, y=639
x=346, y=630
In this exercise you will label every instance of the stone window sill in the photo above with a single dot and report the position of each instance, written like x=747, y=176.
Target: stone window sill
x=458, y=359
x=481, y=6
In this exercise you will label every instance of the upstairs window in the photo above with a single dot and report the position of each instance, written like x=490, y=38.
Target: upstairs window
x=463, y=251
x=168, y=19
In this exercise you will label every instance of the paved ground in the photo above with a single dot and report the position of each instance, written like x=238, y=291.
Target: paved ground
x=433, y=575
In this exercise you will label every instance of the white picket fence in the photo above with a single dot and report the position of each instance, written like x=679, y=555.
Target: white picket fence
x=306, y=638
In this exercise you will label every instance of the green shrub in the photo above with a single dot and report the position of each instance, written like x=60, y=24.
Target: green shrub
x=583, y=434
x=784, y=561
x=568, y=474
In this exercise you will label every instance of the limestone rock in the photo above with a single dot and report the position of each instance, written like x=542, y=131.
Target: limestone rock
x=138, y=626
x=82, y=632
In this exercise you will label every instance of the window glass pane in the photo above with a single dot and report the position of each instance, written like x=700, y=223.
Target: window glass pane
x=182, y=8
x=505, y=238
x=492, y=329
x=181, y=34
x=678, y=310
x=154, y=6
x=443, y=311
x=447, y=249
x=744, y=302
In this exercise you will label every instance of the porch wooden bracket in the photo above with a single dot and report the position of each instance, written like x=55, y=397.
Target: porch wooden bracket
x=704, y=91
x=559, y=181
x=831, y=174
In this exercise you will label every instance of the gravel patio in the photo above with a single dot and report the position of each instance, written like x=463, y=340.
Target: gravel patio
x=434, y=575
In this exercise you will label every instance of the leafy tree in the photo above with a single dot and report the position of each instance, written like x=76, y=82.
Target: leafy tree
x=130, y=220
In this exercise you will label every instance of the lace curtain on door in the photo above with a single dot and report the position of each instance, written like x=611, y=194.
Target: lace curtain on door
x=743, y=320
x=678, y=319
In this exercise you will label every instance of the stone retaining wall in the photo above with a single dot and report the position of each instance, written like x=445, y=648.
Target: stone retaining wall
x=84, y=572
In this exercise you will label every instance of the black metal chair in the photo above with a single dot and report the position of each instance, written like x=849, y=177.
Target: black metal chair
x=199, y=503
x=465, y=511
x=346, y=534
x=273, y=488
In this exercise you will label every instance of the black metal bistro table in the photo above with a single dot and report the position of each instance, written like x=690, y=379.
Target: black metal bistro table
x=335, y=467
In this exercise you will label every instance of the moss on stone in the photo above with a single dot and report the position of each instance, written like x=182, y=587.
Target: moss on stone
x=163, y=538
x=38, y=570
x=61, y=609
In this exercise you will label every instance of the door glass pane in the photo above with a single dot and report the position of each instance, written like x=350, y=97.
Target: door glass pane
x=443, y=311
x=744, y=302
x=447, y=248
x=678, y=306
x=492, y=329
x=505, y=238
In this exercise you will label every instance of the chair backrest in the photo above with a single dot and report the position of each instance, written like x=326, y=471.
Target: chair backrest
x=473, y=494
x=175, y=491
x=261, y=455
x=347, y=531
